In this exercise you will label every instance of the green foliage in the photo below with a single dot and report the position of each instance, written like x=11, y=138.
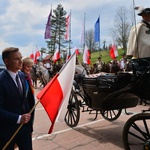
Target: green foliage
x=104, y=56
x=58, y=28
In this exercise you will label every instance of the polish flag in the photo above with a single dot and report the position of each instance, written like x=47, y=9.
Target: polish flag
x=37, y=55
x=113, y=51
x=68, y=54
x=86, y=55
x=55, y=95
x=32, y=55
x=77, y=51
x=56, y=55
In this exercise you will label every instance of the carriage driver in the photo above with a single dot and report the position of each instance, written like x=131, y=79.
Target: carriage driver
x=139, y=38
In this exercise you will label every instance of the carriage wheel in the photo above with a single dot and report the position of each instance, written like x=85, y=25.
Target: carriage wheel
x=136, y=132
x=73, y=113
x=111, y=115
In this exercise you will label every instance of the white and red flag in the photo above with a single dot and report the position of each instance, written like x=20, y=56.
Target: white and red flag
x=37, y=55
x=55, y=95
x=76, y=50
x=67, y=28
x=113, y=51
x=56, y=55
x=32, y=55
x=86, y=55
x=68, y=54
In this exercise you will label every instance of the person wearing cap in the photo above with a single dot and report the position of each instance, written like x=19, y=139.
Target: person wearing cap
x=139, y=38
x=99, y=64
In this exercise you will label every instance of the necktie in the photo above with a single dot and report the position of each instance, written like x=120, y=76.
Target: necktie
x=18, y=84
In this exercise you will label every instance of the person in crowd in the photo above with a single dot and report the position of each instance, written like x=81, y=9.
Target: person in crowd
x=27, y=64
x=99, y=64
x=123, y=63
x=14, y=106
x=139, y=38
x=115, y=67
x=34, y=76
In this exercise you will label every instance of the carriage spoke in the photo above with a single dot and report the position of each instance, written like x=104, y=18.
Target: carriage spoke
x=136, y=132
x=111, y=115
x=73, y=113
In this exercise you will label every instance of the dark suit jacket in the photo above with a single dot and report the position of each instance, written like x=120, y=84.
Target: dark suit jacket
x=11, y=103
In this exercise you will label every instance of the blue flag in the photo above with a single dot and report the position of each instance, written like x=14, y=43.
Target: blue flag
x=97, y=31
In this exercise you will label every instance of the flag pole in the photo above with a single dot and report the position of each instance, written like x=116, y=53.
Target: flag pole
x=70, y=31
x=136, y=35
x=84, y=31
x=99, y=35
x=6, y=145
x=66, y=63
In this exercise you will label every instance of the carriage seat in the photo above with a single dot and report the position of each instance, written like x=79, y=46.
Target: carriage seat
x=107, y=81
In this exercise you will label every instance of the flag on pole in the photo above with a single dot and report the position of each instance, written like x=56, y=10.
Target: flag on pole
x=76, y=50
x=32, y=55
x=56, y=55
x=37, y=55
x=55, y=95
x=67, y=27
x=48, y=26
x=82, y=34
x=113, y=51
x=97, y=30
x=68, y=54
x=86, y=55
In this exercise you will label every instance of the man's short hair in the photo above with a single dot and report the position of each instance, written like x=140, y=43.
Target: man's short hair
x=7, y=51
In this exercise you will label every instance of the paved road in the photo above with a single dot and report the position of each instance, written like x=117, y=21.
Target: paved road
x=88, y=135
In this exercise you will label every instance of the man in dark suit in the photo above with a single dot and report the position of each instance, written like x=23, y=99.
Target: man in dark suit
x=14, y=107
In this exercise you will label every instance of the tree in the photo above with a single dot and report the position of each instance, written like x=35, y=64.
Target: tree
x=58, y=29
x=89, y=39
x=104, y=45
x=122, y=25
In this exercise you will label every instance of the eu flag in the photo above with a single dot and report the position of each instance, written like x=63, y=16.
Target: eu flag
x=97, y=31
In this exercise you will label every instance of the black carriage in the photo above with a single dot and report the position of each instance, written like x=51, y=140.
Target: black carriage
x=108, y=94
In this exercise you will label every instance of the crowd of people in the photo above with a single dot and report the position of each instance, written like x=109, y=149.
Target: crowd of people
x=113, y=66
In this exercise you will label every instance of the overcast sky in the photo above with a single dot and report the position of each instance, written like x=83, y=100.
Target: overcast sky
x=22, y=22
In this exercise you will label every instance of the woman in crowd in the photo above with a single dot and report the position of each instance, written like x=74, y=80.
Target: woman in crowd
x=27, y=64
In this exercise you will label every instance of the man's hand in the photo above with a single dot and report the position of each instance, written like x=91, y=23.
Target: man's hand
x=25, y=118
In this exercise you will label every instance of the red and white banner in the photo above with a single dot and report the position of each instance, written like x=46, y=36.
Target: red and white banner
x=56, y=55
x=67, y=28
x=86, y=55
x=55, y=95
x=35, y=55
x=113, y=51
x=32, y=55
x=68, y=54
x=76, y=50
